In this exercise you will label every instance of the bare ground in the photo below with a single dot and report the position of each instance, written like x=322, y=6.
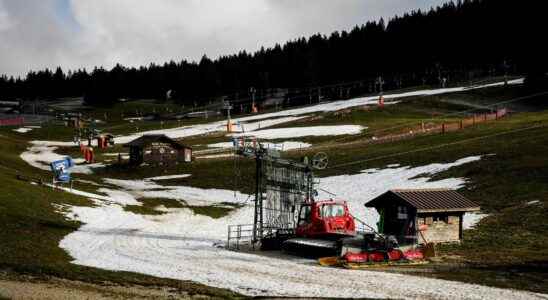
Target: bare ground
x=28, y=287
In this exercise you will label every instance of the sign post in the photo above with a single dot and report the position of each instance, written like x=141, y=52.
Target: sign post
x=60, y=169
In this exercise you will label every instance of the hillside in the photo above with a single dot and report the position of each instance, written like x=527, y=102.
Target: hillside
x=145, y=230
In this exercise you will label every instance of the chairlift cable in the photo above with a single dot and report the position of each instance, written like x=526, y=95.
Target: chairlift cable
x=403, y=124
x=438, y=146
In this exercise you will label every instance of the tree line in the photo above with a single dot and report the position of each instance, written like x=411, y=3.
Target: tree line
x=453, y=42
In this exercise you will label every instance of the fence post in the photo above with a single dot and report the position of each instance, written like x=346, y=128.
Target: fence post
x=474, y=119
x=422, y=126
x=461, y=124
x=484, y=117
x=228, y=239
x=238, y=233
x=443, y=128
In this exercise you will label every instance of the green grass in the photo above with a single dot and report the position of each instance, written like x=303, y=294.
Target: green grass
x=150, y=207
x=507, y=249
x=31, y=230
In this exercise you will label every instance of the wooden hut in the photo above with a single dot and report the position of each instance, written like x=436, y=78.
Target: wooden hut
x=422, y=216
x=157, y=149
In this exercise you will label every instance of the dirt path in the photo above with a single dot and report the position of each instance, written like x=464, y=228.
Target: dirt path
x=30, y=288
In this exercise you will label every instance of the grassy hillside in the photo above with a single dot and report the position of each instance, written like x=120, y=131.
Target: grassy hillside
x=507, y=249
x=31, y=229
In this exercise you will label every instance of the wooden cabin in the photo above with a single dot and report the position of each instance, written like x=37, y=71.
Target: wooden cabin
x=420, y=216
x=158, y=149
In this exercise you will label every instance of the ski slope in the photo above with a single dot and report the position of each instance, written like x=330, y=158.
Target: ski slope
x=41, y=153
x=182, y=245
x=253, y=124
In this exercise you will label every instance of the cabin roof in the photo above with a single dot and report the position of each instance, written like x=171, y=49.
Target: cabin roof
x=148, y=139
x=427, y=200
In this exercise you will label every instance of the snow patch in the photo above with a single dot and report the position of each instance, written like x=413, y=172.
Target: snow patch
x=41, y=154
x=360, y=188
x=281, y=146
x=292, y=132
x=191, y=195
x=22, y=129
x=181, y=245
x=169, y=177
x=470, y=220
x=120, y=197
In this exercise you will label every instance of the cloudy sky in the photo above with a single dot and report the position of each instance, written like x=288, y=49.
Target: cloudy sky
x=35, y=34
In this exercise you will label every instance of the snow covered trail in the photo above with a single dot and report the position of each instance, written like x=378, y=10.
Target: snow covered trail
x=181, y=245
x=41, y=153
x=192, y=196
x=281, y=146
x=293, y=132
x=256, y=122
x=217, y=126
x=289, y=115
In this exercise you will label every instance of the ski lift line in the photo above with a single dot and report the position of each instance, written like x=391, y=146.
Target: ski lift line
x=438, y=146
x=330, y=193
x=249, y=100
x=451, y=114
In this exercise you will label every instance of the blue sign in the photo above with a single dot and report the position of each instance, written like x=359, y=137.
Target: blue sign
x=61, y=169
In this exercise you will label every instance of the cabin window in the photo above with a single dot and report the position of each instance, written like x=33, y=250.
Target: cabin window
x=441, y=218
x=304, y=215
x=332, y=210
x=402, y=212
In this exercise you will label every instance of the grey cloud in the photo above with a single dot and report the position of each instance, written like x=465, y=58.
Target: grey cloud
x=136, y=32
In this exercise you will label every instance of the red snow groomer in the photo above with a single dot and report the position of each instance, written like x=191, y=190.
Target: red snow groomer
x=327, y=229
x=320, y=227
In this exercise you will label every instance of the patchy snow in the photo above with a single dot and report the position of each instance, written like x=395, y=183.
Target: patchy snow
x=191, y=195
x=26, y=129
x=116, y=154
x=221, y=145
x=120, y=197
x=286, y=146
x=534, y=202
x=370, y=100
x=219, y=126
x=123, y=155
x=359, y=188
x=40, y=154
x=256, y=122
x=281, y=146
x=223, y=155
x=168, y=177
x=22, y=129
x=82, y=193
x=471, y=219
x=293, y=132
x=181, y=245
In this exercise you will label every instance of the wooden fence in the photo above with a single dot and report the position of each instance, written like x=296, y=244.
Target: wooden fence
x=431, y=128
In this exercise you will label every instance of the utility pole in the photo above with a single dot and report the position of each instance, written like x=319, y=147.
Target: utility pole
x=228, y=107
x=319, y=94
x=252, y=92
x=380, y=83
x=505, y=66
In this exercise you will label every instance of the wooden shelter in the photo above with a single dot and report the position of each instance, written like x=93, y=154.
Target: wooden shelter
x=422, y=216
x=157, y=149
